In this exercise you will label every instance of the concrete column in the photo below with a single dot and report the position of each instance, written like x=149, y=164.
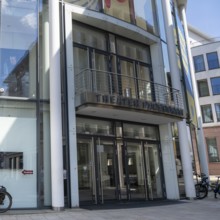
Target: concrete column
x=200, y=134
x=55, y=109
x=45, y=94
x=175, y=77
x=169, y=162
x=71, y=109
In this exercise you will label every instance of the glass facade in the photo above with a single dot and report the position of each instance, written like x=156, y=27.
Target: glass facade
x=141, y=13
x=117, y=159
x=18, y=109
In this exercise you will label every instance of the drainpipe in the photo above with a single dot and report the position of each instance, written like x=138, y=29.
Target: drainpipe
x=57, y=190
x=200, y=134
x=175, y=77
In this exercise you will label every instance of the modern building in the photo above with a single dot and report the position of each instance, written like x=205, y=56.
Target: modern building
x=96, y=102
x=206, y=56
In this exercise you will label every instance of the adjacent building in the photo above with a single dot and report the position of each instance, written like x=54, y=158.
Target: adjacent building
x=96, y=102
x=206, y=55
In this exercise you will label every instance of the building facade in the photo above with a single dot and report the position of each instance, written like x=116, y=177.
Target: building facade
x=93, y=105
x=206, y=55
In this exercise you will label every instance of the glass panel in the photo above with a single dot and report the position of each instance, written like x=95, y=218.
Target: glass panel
x=145, y=15
x=89, y=126
x=153, y=171
x=199, y=64
x=93, y=5
x=44, y=56
x=136, y=176
x=89, y=37
x=86, y=171
x=133, y=50
x=18, y=48
x=207, y=113
x=128, y=86
x=144, y=85
x=203, y=88
x=212, y=59
x=139, y=131
x=18, y=136
x=100, y=74
x=120, y=9
x=217, y=110
x=107, y=170
x=212, y=149
x=83, y=77
x=215, y=85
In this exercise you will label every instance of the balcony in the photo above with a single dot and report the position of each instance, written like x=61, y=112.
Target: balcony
x=112, y=95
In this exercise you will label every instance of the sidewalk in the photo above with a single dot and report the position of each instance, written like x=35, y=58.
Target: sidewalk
x=208, y=208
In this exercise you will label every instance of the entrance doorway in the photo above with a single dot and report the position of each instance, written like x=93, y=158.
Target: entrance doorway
x=110, y=171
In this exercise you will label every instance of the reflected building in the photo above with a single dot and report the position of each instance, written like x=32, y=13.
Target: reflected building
x=96, y=98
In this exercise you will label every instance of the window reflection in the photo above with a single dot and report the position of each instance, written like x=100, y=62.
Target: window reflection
x=18, y=48
x=11, y=160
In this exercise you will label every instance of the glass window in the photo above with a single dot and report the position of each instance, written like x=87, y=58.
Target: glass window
x=139, y=131
x=19, y=22
x=95, y=5
x=133, y=50
x=89, y=37
x=203, y=88
x=199, y=64
x=121, y=9
x=212, y=59
x=90, y=126
x=144, y=15
x=217, y=110
x=207, y=113
x=215, y=82
x=212, y=149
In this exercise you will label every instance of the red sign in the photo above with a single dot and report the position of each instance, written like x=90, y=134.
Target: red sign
x=27, y=172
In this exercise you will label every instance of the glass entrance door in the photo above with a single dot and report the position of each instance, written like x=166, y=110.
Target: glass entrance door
x=86, y=171
x=106, y=170
x=97, y=170
x=153, y=171
x=132, y=179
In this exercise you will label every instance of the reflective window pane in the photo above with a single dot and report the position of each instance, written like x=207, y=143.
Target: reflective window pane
x=203, y=88
x=207, y=113
x=145, y=15
x=215, y=85
x=212, y=150
x=121, y=9
x=18, y=48
x=199, y=64
x=95, y=5
x=217, y=110
x=212, y=59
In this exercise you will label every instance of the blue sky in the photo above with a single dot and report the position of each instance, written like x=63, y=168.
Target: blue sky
x=204, y=15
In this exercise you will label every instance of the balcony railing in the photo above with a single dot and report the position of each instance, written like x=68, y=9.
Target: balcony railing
x=102, y=83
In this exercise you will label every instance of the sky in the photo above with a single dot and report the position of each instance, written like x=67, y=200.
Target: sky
x=204, y=15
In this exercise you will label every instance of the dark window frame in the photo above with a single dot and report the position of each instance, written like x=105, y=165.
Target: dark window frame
x=214, y=158
x=199, y=67
x=215, y=88
x=216, y=112
x=212, y=64
x=200, y=89
x=203, y=115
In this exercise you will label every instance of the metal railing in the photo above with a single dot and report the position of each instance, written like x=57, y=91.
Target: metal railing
x=109, y=83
